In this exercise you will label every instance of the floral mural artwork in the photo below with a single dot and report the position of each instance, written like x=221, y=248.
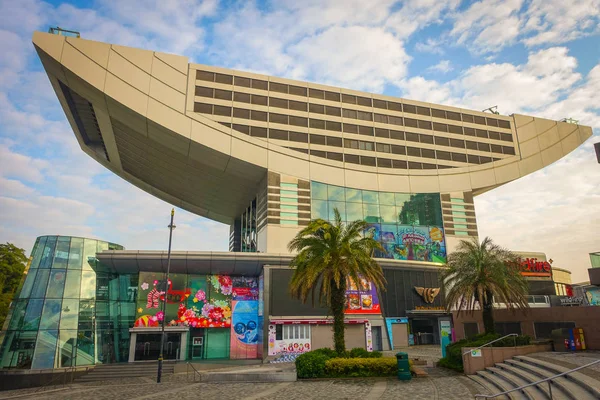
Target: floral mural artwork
x=198, y=301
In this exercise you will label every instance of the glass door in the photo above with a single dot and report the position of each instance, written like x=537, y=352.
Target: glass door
x=147, y=346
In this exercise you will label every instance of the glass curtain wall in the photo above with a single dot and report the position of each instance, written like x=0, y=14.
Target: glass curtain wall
x=61, y=316
x=408, y=225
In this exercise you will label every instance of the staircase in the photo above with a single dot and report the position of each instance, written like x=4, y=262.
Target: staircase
x=522, y=370
x=107, y=372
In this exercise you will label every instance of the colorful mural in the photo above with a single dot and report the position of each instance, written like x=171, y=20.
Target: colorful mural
x=198, y=301
x=408, y=242
x=244, y=329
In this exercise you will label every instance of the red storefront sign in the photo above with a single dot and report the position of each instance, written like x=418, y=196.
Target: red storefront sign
x=533, y=267
x=314, y=321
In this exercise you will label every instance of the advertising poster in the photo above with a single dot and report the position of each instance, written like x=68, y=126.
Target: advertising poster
x=244, y=288
x=244, y=329
x=361, y=298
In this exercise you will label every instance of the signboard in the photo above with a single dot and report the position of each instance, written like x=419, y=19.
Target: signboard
x=361, y=298
x=429, y=308
x=571, y=301
x=197, y=341
x=533, y=267
x=445, y=334
x=476, y=353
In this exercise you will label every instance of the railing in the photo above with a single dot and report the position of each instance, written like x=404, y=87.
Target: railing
x=63, y=32
x=494, y=341
x=549, y=380
x=187, y=372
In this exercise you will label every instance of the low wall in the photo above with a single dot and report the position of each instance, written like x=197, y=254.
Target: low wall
x=585, y=317
x=492, y=355
x=11, y=379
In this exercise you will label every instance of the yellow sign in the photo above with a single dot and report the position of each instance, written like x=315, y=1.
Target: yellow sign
x=428, y=294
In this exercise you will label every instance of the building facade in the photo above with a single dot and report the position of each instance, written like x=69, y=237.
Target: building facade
x=63, y=316
x=265, y=155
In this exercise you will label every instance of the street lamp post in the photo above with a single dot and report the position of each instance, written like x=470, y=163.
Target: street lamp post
x=164, y=304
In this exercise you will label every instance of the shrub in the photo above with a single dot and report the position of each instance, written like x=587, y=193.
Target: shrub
x=360, y=367
x=311, y=364
x=359, y=352
x=326, y=352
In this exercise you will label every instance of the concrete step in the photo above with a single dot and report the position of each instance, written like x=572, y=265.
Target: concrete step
x=232, y=376
x=488, y=387
x=120, y=371
x=501, y=385
x=561, y=387
x=585, y=382
x=528, y=377
x=531, y=393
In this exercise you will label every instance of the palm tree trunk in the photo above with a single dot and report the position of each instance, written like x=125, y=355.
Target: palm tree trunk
x=338, y=298
x=487, y=314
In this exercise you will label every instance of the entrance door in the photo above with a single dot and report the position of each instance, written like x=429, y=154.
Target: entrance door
x=377, y=340
x=147, y=346
x=423, y=331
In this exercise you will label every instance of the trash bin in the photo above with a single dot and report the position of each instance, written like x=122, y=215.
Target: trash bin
x=403, y=367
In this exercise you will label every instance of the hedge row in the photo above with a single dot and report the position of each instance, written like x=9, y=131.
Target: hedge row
x=360, y=367
x=322, y=363
x=453, y=359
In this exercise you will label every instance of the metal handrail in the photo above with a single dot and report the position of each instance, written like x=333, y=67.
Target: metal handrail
x=187, y=370
x=549, y=380
x=493, y=341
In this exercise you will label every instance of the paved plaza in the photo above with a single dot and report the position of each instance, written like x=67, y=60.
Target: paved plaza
x=441, y=384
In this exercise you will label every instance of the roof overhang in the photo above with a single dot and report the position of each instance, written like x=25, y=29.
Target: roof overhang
x=214, y=263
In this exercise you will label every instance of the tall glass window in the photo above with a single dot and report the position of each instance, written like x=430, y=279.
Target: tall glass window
x=52, y=324
x=409, y=225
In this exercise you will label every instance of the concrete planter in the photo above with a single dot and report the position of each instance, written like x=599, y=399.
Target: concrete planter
x=492, y=355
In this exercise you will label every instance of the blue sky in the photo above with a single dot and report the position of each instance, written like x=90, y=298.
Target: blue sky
x=535, y=57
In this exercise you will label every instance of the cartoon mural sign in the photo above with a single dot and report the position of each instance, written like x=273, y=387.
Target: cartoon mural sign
x=361, y=298
x=407, y=242
x=244, y=329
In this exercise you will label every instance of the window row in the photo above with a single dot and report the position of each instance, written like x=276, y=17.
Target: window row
x=350, y=114
x=349, y=99
x=351, y=128
x=380, y=147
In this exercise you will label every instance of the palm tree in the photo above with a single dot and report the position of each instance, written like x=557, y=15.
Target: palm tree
x=327, y=255
x=484, y=273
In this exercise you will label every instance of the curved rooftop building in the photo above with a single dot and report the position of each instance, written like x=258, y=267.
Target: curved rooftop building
x=265, y=154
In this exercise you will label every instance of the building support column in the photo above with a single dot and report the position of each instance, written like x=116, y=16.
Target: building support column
x=132, y=340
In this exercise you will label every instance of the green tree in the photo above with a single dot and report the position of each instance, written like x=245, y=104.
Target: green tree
x=12, y=265
x=484, y=273
x=327, y=255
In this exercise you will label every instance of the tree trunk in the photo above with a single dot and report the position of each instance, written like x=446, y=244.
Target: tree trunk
x=487, y=314
x=338, y=298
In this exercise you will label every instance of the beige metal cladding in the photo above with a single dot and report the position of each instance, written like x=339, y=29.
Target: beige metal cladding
x=143, y=104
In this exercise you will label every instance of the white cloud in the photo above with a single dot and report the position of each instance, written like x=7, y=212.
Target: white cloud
x=417, y=14
x=488, y=25
x=444, y=66
x=543, y=80
x=14, y=165
x=342, y=54
x=433, y=46
x=555, y=21
x=355, y=44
